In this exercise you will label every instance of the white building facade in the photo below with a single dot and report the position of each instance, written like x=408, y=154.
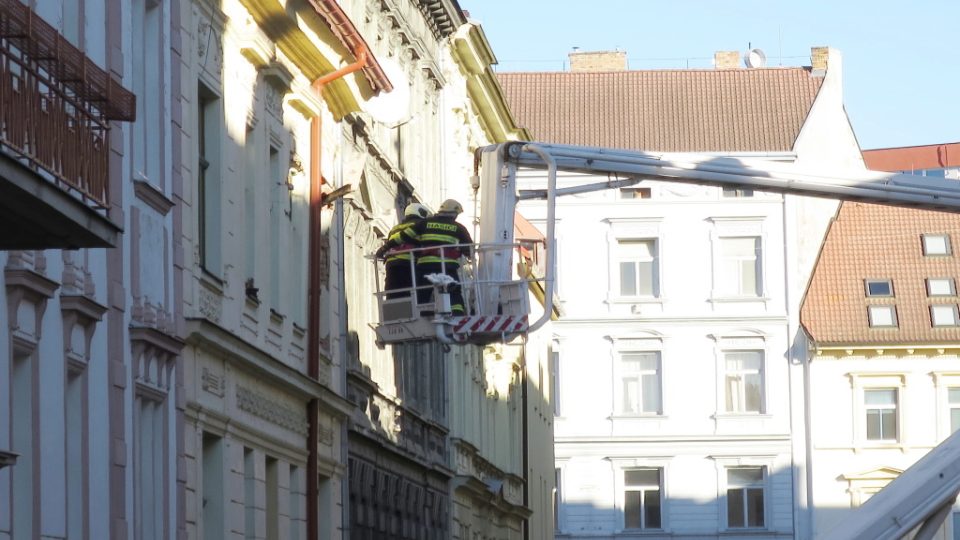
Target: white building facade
x=880, y=318
x=674, y=358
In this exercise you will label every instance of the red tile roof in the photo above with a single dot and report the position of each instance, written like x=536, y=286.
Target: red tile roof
x=911, y=158
x=728, y=110
x=868, y=241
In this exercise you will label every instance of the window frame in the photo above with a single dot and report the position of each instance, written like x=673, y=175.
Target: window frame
x=925, y=241
x=950, y=282
x=871, y=319
x=643, y=489
x=864, y=381
x=621, y=464
x=620, y=381
x=733, y=192
x=645, y=191
x=760, y=372
x=881, y=407
x=943, y=308
x=654, y=261
x=626, y=229
x=727, y=288
x=951, y=406
x=763, y=485
x=888, y=282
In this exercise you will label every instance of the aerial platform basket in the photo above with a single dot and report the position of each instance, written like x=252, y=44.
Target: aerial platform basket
x=496, y=310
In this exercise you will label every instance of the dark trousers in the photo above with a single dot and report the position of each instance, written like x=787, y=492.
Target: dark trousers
x=425, y=288
x=398, y=275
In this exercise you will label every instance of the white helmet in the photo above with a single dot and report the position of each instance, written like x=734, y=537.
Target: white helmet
x=416, y=210
x=450, y=206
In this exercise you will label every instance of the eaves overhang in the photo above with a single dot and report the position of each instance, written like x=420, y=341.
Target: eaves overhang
x=319, y=38
x=444, y=17
x=880, y=349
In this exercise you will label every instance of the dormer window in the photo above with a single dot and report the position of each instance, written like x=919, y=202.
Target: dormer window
x=941, y=287
x=936, y=245
x=882, y=316
x=878, y=287
x=943, y=315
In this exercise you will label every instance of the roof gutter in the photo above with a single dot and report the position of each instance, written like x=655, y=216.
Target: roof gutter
x=348, y=34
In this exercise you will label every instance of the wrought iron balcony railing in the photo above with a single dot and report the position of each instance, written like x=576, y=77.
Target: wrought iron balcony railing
x=56, y=105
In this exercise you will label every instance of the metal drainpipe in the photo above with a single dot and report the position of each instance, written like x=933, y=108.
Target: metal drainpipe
x=313, y=317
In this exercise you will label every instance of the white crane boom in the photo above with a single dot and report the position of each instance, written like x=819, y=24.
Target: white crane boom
x=499, y=306
x=498, y=166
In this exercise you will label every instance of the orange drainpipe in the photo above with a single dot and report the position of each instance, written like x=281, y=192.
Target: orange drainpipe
x=314, y=282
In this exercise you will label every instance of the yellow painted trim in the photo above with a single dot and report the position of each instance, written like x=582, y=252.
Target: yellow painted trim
x=306, y=40
x=472, y=53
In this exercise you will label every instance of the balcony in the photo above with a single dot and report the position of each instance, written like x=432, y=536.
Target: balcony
x=56, y=106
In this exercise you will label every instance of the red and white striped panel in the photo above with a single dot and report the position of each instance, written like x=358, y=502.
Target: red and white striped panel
x=499, y=324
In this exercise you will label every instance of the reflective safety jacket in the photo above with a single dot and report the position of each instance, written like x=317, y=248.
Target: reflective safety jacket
x=442, y=232
x=400, y=240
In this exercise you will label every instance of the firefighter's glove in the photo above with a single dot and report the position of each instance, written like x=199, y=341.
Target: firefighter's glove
x=382, y=252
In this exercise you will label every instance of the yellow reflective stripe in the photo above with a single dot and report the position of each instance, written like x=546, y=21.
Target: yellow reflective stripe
x=399, y=257
x=444, y=238
x=435, y=259
x=404, y=229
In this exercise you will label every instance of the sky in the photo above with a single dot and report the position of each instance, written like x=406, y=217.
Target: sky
x=901, y=58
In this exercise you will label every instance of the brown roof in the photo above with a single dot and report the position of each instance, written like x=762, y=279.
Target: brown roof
x=726, y=110
x=869, y=241
x=911, y=158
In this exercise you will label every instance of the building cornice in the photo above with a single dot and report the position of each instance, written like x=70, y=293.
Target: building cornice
x=207, y=335
x=319, y=38
x=878, y=349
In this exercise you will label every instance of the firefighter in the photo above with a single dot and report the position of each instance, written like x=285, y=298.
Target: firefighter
x=398, y=268
x=442, y=233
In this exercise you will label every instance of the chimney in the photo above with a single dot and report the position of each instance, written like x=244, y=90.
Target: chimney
x=819, y=57
x=598, y=61
x=726, y=60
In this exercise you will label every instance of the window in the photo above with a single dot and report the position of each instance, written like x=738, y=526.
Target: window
x=880, y=405
x=943, y=315
x=641, y=499
x=555, y=381
x=212, y=488
x=249, y=492
x=640, y=382
x=296, y=503
x=637, y=262
x=878, y=287
x=882, y=316
x=941, y=287
x=739, y=271
x=635, y=193
x=276, y=210
x=272, y=485
x=557, y=496
x=953, y=399
x=936, y=244
x=208, y=179
x=147, y=83
x=23, y=441
x=745, y=504
x=734, y=192
x=744, y=381
x=150, y=460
